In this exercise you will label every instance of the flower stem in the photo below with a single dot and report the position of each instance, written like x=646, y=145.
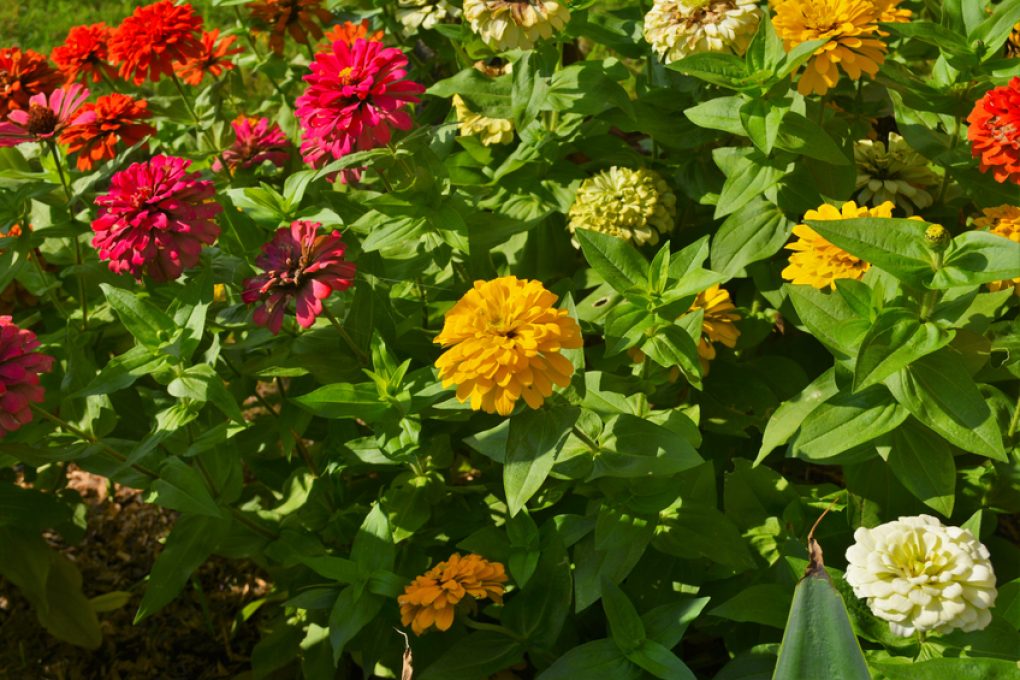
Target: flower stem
x=77, y=243
x=1014, y=421
x=362, y=357
x=184, y=98
x=945, y=170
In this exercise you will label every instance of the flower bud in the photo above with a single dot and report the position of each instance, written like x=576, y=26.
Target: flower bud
x=937, y=237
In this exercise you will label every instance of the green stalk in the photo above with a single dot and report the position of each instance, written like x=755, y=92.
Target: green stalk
x=77, y=243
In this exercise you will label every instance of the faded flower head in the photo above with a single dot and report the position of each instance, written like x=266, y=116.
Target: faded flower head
x=636, y=205
x=416, y=14
x=45, y=118
x=515, y=24
x=214, y=58
x=677, y=28
x=98, y=128
x=155, y=218
x=24, y=74
x=433, y=598
x=153, y=39
x=1004, y=221
x=893, y=172
x=20, y=366
x=850, y=27
x=256, y=140
x=84, y=53
x=489, y=130
x=504, y=338
x=922, y=576
x=718, y=324
x=301, y=19
x=298, y=264
x=994, y=132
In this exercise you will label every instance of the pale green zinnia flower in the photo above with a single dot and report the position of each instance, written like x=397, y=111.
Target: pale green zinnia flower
x=631, y=204
x=893, y=172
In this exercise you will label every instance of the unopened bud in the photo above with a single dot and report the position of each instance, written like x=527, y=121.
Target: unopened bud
x=937, y=237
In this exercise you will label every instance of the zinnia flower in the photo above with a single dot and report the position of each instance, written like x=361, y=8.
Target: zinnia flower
x=1004, y=221
x=255, y=140
x=148, y=43
x=432, y=598
x=922, y=576
x=718, y=323
x=1013, y=42
x=45, y=117
x=299, y=18
x=97, y=128
x=213, y=59
x=155, y=218
x=630, y=204
x=349, y=32
x=84, y=53
x=818, y=263
x=298, y=264
x=504, y=338
x=889, y=12
x=417, y=14
x=354, y=96
x=20, y=367
x=515, y=24
x=489, y=130
x=893, y=172
x=24, y=74
x=994, y=132
x=677, y=28
x=847, y=24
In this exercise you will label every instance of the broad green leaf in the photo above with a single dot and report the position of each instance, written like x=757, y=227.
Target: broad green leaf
x=373, y=548
x=700, y=530
x=595, y=659
x=994, y=30
x=933, y=34
x=201, y=383
x=660, y=662
x=923, y=463
x=749, y=176
x=764, y=603
x=534, y=440
x=761, y=120
x=895, y=245
x=829, y=318
x=181, y=488
x=895, y=339
x=720, y=113
x=800, y=135
x=489, y=96
x=755, y=232
x=538, y=611
x=477, y=655
x=625, y=626
x=593, y=565
x=978, y=257
x=672, y=346
x=726, y=70
x=143, y=320
x=845, y=421
x=353, y=610
x=615, y=259
x=789, y=416
x=344, y=400
x=946, y=668
x=633, y=447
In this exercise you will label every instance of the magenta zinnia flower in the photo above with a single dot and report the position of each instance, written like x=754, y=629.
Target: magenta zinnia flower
x=45, y=118
x=256, y=140
x=299, y=264
x=155, y=218
x=355, y=95
x=20, y=367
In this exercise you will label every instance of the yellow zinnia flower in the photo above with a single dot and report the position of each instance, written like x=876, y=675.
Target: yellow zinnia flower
x=505, y=338
x=1004, y=221
x=509, y=24
x=848, y=25
x=630, y=204
x=432, y=598
x=489, y=130
x=717, y=324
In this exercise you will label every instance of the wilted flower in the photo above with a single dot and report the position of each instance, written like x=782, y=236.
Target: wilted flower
x=415, y=14
x=349, y=32
x=894, y=173
x=45, y=118
x=489, y=130
x=718, y=323
x=515, y=24
x=848, y=25
x=299, y=18
x=922, y=576
x=148, y=43
x=677, y=28
x=84, y=53
x=255, y=140
x=1003, y=220
x=20, y=367
x=24, y=74
x=297, y=264
x=213, y=59
x=96, y=130
x=630, y=204
x=504, y=338
x=155, y=219
x=432, y=598
x=994, y=132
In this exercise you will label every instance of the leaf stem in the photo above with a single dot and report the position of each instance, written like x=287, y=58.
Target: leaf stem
x=184, y=98
x=77, y=243
x=1015, y=420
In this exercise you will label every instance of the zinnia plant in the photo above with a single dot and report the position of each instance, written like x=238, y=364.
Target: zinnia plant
x=149, y=43
x=214, y=58
x=46, y=117
x=85, y=54
x=101, y=125
x=432, y=599
x=256, y=140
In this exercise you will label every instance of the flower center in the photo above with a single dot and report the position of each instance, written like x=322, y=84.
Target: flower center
x=41, y=120
x=345, y=75
x=6, y=80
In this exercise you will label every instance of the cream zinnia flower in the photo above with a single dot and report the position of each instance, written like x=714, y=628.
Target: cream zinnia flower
x=415, y=14
x=894, y=173
x=922, y=576
x=630, y=204
x=677, y=28
x=508, y=24
x=489, y=130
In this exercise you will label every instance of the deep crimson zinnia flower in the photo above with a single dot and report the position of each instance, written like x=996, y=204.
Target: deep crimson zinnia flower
x=256, y=140
x=298, y=264
x=355, y=94
x=20, y=367
x=97, y=128
x=155, y=218
x=297, y=17
x=148, y=43
x=84, y=53
x=45, y=117
x=994, y=132
x=214, y=58
x=24, y=74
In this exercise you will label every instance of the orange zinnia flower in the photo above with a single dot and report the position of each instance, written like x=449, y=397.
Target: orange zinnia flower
x=995, y=132
x=213, y=58
x=23, y=74
x=84, y=53
x=349, y=31
x=432, y=598
x=98, y=127
x=297, y=17
x=148, y=43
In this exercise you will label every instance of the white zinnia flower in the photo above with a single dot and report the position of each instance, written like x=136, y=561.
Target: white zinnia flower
x=636, y=205
x=894, y=173
x=922, y=576
x=508, y=24
x=677, y=28
x=415, y=14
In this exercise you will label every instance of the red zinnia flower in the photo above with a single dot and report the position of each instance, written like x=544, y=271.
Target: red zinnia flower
x=20, y=367
x=257, y=140
x=84, y=52
x=155, y=218
x=24, y=74
x=995, y=132
x=153, y=38
x=354, y=96
x=297, y=17
x=94, y=133
x=212, y=59
x=45, y=117
x=349, y=32
x=298, y=264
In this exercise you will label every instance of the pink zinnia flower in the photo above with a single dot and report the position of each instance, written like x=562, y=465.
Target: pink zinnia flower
x=155, y=218
x=299, y=264
x=46, y=116
x=355, y=95
x=256, y=140
x=20, y=367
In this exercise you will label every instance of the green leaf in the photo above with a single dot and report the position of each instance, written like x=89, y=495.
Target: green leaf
x=660, y=662
x=847, y=420
x=625, y=626
x=754, y=232
x=923, y=463
x=535, y=439
x=477, y=655
x=672, y=346
x=344, y=400
x=994, y=30
x=488, y=96
x=761, y=120
x=615, y=259
x=978, y=257
x=726, y=70
x=933, y=34
x=789, y=416
x=181, y=488
x=720, y=113
x=595, y=659
x=829, y=318
x=353, y=610
x=764, y=603
x=941, y=669
x=895, y=245
x=749, y=176
x=538, y=611
x=373, y=548
x=802, y=136
x=633, y=447
x=896, y=339
x=143, y=320
x=202, y=384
